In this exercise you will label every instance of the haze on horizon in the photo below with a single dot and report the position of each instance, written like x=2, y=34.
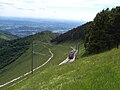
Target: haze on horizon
x=55, y=9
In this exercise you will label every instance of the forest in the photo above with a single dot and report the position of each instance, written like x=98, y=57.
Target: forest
x=11, y=50
x=104, y=33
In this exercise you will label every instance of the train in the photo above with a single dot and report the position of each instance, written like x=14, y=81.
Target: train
x=71, y=54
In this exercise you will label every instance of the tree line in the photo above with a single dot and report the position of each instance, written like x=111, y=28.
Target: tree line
x=104, y=32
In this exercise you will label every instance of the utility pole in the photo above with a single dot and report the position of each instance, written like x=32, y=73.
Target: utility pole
x=32, y=61
x=78, y=47
x=32, y=58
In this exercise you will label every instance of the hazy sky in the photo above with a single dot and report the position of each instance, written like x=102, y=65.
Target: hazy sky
x=61, y=9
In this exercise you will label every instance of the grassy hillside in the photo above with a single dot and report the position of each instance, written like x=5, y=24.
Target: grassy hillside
x=96, y=72
x=11, y=50
x=7, y=36
x=23, y=64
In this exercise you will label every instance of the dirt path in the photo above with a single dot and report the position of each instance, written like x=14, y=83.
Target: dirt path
x=30, y=71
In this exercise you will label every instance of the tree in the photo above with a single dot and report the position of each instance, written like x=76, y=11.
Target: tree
x=116, y=24
x=105, y=31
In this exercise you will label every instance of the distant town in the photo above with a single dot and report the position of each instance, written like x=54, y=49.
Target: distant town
x=24, y=27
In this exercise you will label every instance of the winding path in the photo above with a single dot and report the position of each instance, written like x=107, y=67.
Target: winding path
x=30, y=71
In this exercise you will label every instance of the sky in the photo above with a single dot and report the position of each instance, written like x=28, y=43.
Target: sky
x=84, y=10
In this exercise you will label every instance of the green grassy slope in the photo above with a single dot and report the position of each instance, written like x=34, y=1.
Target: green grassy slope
x=7, y=36
x=96, y=72
x=60, y=52
x=23, y=63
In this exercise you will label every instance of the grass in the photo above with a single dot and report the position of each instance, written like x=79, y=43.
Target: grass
x=60, y=53
x=23, y=63
x=96, y=72
x=6, y=35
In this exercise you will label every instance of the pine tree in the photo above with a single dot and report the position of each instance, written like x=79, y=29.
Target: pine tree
x=105, y=31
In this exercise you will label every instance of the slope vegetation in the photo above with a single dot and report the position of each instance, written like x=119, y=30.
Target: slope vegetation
x=75, y=34
x=96, y=72
x=7, y=36
x=22, y=64
x=11, y=50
